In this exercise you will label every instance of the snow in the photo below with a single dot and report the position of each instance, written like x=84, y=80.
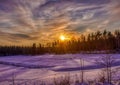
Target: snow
x=46, y=67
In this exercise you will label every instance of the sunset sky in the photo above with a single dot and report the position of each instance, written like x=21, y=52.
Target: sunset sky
x=23, y=22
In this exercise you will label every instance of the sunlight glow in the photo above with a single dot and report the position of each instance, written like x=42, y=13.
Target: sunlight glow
x=62, y=38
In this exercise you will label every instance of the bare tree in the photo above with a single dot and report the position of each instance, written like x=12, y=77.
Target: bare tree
x=101, y=77
x=82, y=70
x=107, y=62
x=13, y=79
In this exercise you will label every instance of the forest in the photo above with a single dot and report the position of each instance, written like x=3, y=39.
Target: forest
x=96, y=42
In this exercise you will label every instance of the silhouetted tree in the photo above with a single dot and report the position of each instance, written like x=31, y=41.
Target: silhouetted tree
x=96, y=41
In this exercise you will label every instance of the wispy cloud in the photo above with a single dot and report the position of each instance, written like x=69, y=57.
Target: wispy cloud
x=28, y=21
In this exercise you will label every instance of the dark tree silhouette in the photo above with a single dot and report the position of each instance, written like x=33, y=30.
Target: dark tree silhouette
x=105, y=42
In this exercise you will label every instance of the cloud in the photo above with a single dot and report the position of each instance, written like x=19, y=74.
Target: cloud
x=28, y=21
x=115, y=10
x=21, y=36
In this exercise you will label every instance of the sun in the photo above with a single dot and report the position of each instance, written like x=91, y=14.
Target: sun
x=62, y=38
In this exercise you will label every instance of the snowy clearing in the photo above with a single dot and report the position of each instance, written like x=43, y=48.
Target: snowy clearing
x=47, y=67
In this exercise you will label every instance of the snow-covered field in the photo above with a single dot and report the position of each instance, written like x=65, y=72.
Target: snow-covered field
x=47, y=67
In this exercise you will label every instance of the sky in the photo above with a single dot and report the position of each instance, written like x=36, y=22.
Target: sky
x=23, y=22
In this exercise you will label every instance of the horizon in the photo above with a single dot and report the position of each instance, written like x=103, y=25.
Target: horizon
x=25, y=22
x=63, y=38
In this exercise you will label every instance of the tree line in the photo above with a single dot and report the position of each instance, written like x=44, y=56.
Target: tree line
x=99, y=41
